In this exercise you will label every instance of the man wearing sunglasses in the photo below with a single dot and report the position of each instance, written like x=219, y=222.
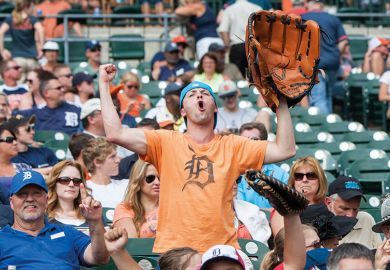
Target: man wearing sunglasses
x=41, y=158
x=345, y=194
x=33, y=243
x=11, y=73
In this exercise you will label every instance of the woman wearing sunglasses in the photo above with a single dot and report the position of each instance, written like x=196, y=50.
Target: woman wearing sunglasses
x=138, y=211
x=64, y=194
x=307, y=177
x=8, y=150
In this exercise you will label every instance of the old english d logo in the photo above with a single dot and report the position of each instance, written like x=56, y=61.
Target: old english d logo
x=199, y=168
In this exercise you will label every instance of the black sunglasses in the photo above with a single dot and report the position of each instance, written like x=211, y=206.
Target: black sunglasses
x=30, y=128
x=309, y=176
x=228, y=96
x=95, y=50
x=150, y=178
x=65, y=180
x=316, y=244
x=9, y=139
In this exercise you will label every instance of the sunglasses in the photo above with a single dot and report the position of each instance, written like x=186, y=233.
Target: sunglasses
x=69, y=75
x=150, y=178
x=228, y=97
x=129, y=86
x=309, y=176
x=316, y=244
x=29, y=81
x=30, y=128
x=9, y=139
x=65, y=180
x=15, y=67
x=95, y=50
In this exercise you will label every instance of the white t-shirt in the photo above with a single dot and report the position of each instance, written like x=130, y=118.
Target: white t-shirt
x=234, y=120
x=109, y=195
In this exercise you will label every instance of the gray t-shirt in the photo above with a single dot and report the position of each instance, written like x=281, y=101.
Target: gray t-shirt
x=234, y=120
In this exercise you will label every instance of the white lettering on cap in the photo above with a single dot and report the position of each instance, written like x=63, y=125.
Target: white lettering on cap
x=26, y=176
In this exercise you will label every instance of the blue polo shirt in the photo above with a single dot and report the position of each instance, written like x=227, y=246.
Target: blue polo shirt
x=36, y=157
x=249, y=195
x=181, y=67
x=59, y=247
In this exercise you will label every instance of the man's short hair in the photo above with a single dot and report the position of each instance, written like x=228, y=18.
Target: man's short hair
x=255, y=125
x=148, y=122
x=77, y=143
x=44, y=82
x=58, y=67
x=349, y=251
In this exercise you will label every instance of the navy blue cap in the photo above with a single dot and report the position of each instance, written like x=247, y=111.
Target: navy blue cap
x=215, y=47
x=80, y=77
x=93, y=44
x=346, y=187
x=171, y=47
x=173, y=88
x=26, y=178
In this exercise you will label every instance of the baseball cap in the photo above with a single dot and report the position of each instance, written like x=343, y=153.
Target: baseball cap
x=216, y=47
x=180, y=39
x=80, y=77
x=93, y=44
x=164, y=120
x=51, y=46
x=375, y=42
x=221, y=253
x=173, y=88
x=385, y=214
x=18, y=120
x=171, y=47
x=24, y=178
x=89, y=107
x=346, y=187
x=227, y=88
x=317, y=259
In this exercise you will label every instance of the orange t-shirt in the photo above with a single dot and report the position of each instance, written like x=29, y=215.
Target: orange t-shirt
x=50, y=24
x=147, y=230
x=196, y=187
x=139, y=104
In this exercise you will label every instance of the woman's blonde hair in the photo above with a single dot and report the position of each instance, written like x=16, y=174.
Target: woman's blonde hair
x=96, y=150
x=132, y=198
x=130, y=77
x=17, y=13
x=316, y=167
x=51, y=185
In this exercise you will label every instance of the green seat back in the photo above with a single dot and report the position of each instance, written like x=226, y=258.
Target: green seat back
x=128, y=50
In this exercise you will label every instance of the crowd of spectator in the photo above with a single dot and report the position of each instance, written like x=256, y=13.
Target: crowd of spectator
x=171, y=169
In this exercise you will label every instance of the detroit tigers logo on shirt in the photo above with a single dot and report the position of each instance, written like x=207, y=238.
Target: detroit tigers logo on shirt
x=71, y=119
x=26, y=176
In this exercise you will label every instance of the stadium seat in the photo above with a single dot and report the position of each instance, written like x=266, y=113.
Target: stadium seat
x=154, y=89
x=374, y=110
x=383, y=145
x=335, y=148
x=305, y=139
x=108, y=215
x=358, y=45
x=44, y=136
x=372, y=206
x=298, y=111
x=338, y=129
x=255, y=250
x=145, y=67
x=359, y=138
x=348, y=157
x=127, y=9
x=128, y=50
x=314, y=120
x=71, y=11
x=76, y=51
x=59, y=147
x=329, y=177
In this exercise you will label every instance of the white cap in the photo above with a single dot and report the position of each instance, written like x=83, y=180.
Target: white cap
x=89, y=107
x=227, y=88
x=51, y=46
x=375, y=42
x=221, y=253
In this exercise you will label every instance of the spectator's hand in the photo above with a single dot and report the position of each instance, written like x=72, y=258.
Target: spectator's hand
x=107, y=72
x=130, y=106
x=40, y=54
x=6, y=54
x=382, y=255
x=90, y=209
x=115, y=239
x=159, y=64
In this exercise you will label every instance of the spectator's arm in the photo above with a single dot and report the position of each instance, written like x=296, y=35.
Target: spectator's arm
x=130, y=138
x=128, y=225
x=4, y=52
x=284, y=145
x=342, y=44
x=190, y=9
x=226, y=39
x=294, y=252
x=384, y=93
x=116, y=240
x=26, y=102
x=39, y=38
x=366, y=67
x=276, y=223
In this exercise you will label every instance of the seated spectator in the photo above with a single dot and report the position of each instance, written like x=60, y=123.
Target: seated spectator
x=231, y=116
x=91, y=118
x=345, y=194
x=11, y=73
x=330, y=228
x=9, y=150
x=5, y=110
x=173, y=68
x=27, y=36
x=203, y=23
x=126, y=119
x=138, y=212
x=229, y=70
x=60, y=244
x=51, y=28
x=307, y=177
x=131, y=101
x=76, y=146
x=351, y=254
x=82, y=84
x=64, y=195
x=146, y=8
x=159, y=58
x=100, y=158
x=376, y=59
x=93, y=54
x=65, y=76
x=382, y=253
x=384, y=91
x=169, y=107
x=57, y=114
x=210, y=72
x=40, y=158
x=33, y=98
x=257, y=131
x=51, y=52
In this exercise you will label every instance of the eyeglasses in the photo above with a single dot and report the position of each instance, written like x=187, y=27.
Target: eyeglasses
x=29, y=81
x=255, y=138
x=129, y=86
x=150, y=178
x=59, y=88
x=69, y=75
x=309, y=176
x=9, y=139
x=15, y=67
x=228, y=97
x=65, y=180
x=316, y=244
x=30, y=128
x=95, y=50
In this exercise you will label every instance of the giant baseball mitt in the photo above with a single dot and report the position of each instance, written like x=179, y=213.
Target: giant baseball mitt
x=283, y=53
x=283, y=198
